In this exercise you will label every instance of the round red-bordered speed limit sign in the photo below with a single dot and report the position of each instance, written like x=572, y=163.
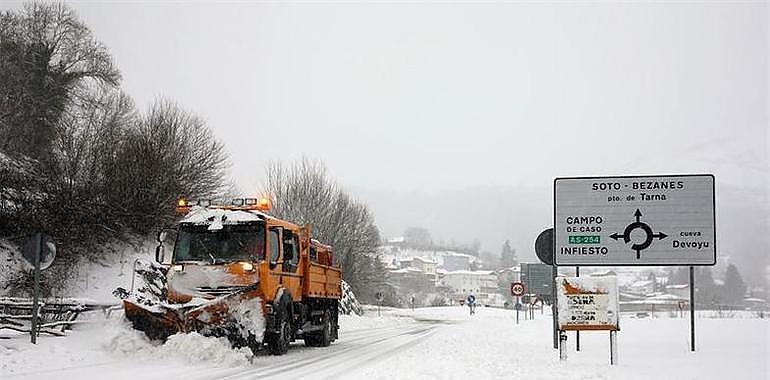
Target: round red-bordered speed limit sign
x=517, y=289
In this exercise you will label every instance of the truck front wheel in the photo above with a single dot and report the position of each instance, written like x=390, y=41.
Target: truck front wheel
x=278, y=342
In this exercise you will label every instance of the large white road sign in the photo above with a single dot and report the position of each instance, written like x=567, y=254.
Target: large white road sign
x=654, y=220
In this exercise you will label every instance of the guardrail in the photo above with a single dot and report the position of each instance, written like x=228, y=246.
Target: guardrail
x=56, y=315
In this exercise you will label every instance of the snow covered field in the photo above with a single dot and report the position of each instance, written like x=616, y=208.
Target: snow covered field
x=429, y=343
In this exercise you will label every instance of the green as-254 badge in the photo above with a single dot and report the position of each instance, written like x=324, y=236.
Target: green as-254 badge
x=584, y=239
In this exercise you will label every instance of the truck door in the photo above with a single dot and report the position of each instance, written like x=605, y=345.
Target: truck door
x=290, y=251
x=290, y=278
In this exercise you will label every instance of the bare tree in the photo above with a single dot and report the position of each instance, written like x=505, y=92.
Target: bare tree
x=171, y=153
x=303, y=193
x=46, y=52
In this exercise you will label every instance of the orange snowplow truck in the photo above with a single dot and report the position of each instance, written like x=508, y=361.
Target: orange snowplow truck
x=237, y=272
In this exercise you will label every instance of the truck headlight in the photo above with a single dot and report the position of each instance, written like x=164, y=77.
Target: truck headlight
x=247, y=267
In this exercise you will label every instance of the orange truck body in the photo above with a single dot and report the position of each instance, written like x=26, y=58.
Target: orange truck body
x=293, y=276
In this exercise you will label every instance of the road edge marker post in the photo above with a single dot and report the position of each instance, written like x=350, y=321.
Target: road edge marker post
x=36, y=292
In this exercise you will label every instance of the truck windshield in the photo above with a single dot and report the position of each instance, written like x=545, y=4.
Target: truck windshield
x=231, y=243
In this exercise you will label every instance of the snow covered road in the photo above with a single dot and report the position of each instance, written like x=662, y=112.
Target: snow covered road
x=345, y=357
x=430, y=343
x=126, y=355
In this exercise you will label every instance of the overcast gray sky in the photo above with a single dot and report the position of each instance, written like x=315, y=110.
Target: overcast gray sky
x=419, y=107
x=449, y=95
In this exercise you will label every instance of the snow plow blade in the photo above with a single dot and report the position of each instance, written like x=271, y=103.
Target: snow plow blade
x=155, y=321
x=159, y=321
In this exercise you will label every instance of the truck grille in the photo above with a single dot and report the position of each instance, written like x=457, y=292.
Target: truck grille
x=219, y=290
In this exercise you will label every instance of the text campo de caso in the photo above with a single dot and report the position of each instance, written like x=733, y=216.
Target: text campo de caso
x=584, y=224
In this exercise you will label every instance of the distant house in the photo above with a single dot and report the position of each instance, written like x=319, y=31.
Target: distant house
x=426, y=266
x=390, y=262
x=681, y=291
x=482, y=284
x=412, y=280
x=404, y=262
x=661, y=302
x=641, y=287
x=603, y=273
x=509, y=274
x=457, y=261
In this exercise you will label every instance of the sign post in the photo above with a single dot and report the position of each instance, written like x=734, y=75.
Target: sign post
x=554, y=307
x=545, y=252
x=613, y=347
x=36, y=293
x=380, y=297
x=692, y=309
x=517, y=290
x=39, y=252
x=577, y=333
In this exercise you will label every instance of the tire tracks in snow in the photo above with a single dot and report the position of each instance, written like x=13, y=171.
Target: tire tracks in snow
x=332, y=361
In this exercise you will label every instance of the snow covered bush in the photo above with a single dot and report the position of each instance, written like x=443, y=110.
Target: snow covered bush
x=348, y=303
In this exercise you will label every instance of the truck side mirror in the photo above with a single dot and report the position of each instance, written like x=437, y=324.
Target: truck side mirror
x=159, y=254
x=163, y=234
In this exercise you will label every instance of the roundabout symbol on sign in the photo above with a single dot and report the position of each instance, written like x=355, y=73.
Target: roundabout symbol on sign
x=649, y=235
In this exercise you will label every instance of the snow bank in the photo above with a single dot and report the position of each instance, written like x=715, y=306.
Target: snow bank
x=97, y=280
x=192, y=348
x=196, y=348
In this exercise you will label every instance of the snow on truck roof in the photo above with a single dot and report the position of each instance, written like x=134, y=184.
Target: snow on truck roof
x=216, y=217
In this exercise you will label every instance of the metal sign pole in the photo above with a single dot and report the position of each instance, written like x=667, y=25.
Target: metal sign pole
x=613, y=347
x=692, y=309
x=518, y=303
x=526, y=312
x=36, y=291
x=562, y=345
x=555, y=309
x=577, y=333
x=531, y=308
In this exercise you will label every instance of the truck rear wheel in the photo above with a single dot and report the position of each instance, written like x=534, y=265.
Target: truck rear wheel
x=311, y=340
x=325, y=338
x=322, y=338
